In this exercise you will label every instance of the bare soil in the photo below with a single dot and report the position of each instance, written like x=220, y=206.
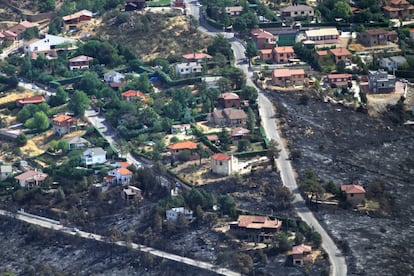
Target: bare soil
x=350, y=147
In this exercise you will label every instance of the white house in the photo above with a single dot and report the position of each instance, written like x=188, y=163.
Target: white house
x=50, y=42
x=113, y=76
x=31, y=179
x=392, y=63
x=6, y=171
x=93, y=156
x=188, y=68
x=119, y=176
x=224, y=164
x=173, y=213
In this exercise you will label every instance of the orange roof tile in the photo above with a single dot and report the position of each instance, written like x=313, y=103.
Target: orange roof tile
x=197, y=56
x=352, y=189
x=183, y=145
x=123, y=164
x=340, y=52
x=301, y=248
x=283, y=50
x=221, y=157
x=32, y=100
x=61, y=118
x=124, y=171
x=258, y=222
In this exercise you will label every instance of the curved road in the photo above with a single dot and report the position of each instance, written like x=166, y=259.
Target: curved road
x=55, y=225
x=267, y=114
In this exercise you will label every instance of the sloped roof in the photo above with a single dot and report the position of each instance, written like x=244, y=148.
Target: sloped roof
x=239, y=131
x=352, y=189
x=229, y=96
x=123, y=164
x=287, y=72
x=77, y=15
x=197, y=56
x=183, y=145
x=340, y=52
x=301, y=248
x=258, y=222
x=124, y=171
x=32, y=100
x=221, y=157
x=62, y=118
x=32, y=175
x=296, y=8
x=80, y=58
x=283, y=50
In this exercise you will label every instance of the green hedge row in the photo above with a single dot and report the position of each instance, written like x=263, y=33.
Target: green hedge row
x=249, y=154
x=404, y=74
x=265, y=139
x=166, y=79
x=66, y=80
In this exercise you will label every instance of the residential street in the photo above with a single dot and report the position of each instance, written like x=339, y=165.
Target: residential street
x=46, y=223
x=266, y=110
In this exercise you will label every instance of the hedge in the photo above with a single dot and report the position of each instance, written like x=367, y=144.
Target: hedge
x=404, y=74
x=265, y=139
x=66, y=80
x=249, y=154
x=166, y=79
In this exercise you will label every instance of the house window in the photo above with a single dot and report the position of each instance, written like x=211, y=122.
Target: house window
x=221, y=163
x=352, y=195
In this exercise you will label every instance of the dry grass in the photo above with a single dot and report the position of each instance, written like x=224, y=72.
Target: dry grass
x=377, y=103
x=14, y=95
x=31, y=149
x=38, y=144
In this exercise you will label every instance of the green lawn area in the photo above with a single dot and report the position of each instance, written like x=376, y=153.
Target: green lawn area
x=159, y=3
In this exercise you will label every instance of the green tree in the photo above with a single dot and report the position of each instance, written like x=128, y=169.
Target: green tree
x=220, y=45
x=224, y=84
x=340, y=66
x=244, y=263
x=63, y=145
x=342, y=10
x=225, y=139
x=60, y=98
x=47, y=5
x=30, y=33
x=249, y=93
x=251, y=120
x=21, y=140
x=251, y=50
x=79, y=103
x=243, y=145
x=39, y=121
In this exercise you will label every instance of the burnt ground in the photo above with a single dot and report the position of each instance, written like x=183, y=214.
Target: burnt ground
x=346, y=146
x=26, y=250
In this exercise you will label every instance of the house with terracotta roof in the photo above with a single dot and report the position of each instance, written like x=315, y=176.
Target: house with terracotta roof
x=321, y=54
x=266, y=55
x=80, y=62
x=9, y=37
x=229, y=99
x=22, y=27
x=31, y=179
x=283, y=54
x=287, y=77
x=177, y=148
x=30, y=100
x=227, y=117
x=399, y=9
x=263, y=39
x=256, y=228
x=133, y=95
x=224, y=164
x=120, y=176
x=338, y=80
x=63, y=124
x=300, y=253
x=121, y=164
x=412, y=34
x=76, y=20
x=340, y=54
x=355, y=194
x=234, y=11
x=196, y=57
x=294, y=11
x=213, y=138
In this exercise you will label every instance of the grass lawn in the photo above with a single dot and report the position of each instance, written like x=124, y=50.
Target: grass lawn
x=159, y=3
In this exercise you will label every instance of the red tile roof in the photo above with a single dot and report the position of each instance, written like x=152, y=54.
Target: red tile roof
x=80, y=58
x=123, y=164
x=221, y=157
x=239, y=131
x=340, y=52
x=61, y=118
x=283, y=50
x=352, y=189
x=212, y=137
x=183, y=145
x=124, y=171
x=266, y=51
x=77, y=15
x=287, y=72
x=336, y=76
x=258, y=222
x=133, y=93
x=31, y=100
x=301, y=248
x=229, y=96
x=29, y=175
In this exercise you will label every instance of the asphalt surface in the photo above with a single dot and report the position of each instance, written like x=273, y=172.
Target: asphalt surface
x=267, y=114
x=55, y=225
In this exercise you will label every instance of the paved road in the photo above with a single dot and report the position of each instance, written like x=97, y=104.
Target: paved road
x=55, y=225
x=267, y=114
